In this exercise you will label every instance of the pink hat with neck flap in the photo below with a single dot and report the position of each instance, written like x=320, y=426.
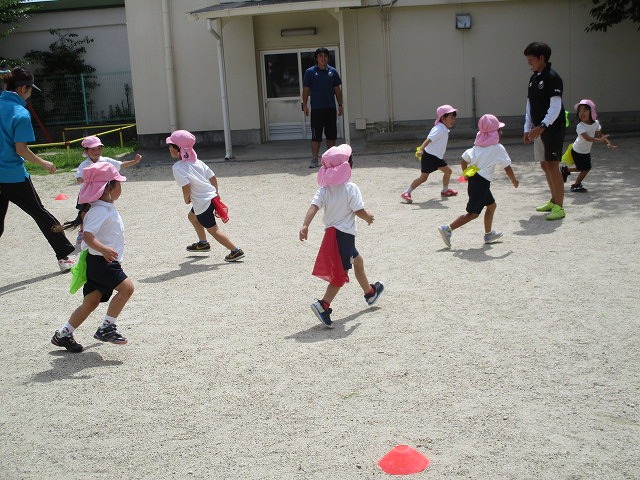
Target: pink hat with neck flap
x=488, y=127
x=335, y=169
x=94, y=180
x=185, y=140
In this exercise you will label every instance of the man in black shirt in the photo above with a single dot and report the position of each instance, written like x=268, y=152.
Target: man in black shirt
x=545, y=123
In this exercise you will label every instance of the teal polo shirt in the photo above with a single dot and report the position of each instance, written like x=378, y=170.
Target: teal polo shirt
x=15, y=126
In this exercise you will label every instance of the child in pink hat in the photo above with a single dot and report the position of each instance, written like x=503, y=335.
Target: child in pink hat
x=478, y=164
x=200, y=189
x=589, y=132
x=342, y=203
x=103, y=251
x=431, y=153
x=92, y=151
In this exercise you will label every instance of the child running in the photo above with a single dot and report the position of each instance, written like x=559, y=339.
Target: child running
x=342, y=202
x=200, y=188
x=92, y=151
x=431, y=153
x=482, y=159
x=589, y=132
x=104, y=239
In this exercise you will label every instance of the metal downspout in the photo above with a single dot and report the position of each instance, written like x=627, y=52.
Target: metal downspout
x=168, y=62
x=343, y=71
x=223, y=87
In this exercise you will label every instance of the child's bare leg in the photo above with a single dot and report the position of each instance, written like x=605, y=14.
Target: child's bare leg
x=119, y=300
x=221, y=238
x=330, y=293
x=581, y=176
x=462, y=220
x=200, y=231
x=361, y=276
x=418, y=181
x=445, y=177
x=488, y=217
x=89, y=304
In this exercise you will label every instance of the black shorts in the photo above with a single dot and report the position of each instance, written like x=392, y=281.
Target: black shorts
x=347, y=248
x=207, y=218
x=324, y=119
x=479, y=190
x=552, y=139
x=103, y=276
x=582, y=161
x=430, y=163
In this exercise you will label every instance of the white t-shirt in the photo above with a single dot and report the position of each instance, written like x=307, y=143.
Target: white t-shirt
x=104, y=222
x=439, y=136
x=487, y=158
x=87, y=162
x=581, y=145
x=339, y=203
x=196, y=174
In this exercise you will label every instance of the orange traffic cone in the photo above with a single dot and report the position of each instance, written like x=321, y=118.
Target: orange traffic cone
x=61, y=196
x=403, y=460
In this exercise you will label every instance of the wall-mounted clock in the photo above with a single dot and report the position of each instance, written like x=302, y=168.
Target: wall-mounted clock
x=463, y=21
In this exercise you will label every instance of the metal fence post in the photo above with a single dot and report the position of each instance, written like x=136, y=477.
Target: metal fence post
x=84, y=100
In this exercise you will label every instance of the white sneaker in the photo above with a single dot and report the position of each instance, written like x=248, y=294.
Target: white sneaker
x=492, y=236
x=65, y=264
x=445, y=233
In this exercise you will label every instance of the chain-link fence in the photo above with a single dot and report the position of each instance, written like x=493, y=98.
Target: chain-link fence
x=84, y=99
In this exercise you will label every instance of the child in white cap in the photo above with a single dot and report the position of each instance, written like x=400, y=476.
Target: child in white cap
x=478, y=164
x=589, y=132
x=342, y=202
x=104, y=239
x=431, y=153
x=200, y=189
x=92, y=151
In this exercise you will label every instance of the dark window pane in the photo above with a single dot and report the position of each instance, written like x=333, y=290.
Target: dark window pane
x=283, y=79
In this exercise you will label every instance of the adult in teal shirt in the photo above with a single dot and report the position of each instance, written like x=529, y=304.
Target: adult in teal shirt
x=15, y=182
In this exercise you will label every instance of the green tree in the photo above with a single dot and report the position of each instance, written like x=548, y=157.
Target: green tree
x=63, y=72
x=11, y=13
x=611, y=12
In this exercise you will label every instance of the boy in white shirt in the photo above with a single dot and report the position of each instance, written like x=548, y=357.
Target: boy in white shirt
x=103, y=237
x=483, y=157
x=342, y=202
x=200, y=189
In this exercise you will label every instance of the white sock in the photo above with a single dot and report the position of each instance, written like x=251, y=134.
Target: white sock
x=409, y=190
x=108, y=321
x=66, y=329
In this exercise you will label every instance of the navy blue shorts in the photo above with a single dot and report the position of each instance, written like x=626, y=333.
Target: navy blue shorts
x=582, y=161
x=552, y=139
x=479, y=190
x=324, y=119
x=347, y=248
x=103, y=276
x=430, y=163
x=207, y=218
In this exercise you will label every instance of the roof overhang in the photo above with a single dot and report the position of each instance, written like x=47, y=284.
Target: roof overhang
x=265, y=7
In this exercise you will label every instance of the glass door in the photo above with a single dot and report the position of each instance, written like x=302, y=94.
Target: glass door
x=282, y=73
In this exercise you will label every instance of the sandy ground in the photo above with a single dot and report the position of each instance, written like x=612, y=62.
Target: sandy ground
x=517, y=360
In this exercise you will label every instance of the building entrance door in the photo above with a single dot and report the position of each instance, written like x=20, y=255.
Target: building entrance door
x=282, y=73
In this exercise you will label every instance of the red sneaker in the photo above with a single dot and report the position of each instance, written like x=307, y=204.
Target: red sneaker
x=450, y=192
x=406, y=197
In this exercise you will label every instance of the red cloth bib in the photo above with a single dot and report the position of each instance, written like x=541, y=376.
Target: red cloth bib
x=221, y=210
x=328, y=264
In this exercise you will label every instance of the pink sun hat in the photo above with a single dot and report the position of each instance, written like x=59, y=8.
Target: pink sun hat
x=442, y=111
x=591, y=105
x=488, y=127
x=335, y=169
x=90, y=142
x=94, y=180
x=185, y=140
